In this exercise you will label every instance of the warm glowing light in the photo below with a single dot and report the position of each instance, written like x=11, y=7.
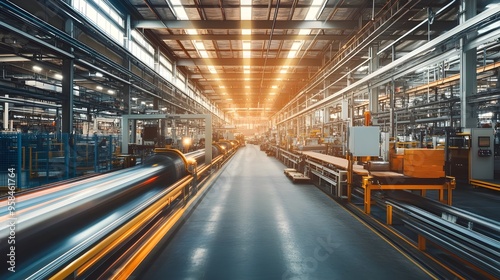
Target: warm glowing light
x=246, y=13
x=186, y=141
x=295, y=48
x=180, y=12
x=212, y=69
x=246, y=49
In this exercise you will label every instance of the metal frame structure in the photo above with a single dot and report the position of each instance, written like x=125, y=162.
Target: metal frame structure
x=373, y=183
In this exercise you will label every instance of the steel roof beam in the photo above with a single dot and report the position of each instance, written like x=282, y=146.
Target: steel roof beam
x=254, y=62
x=265, y=37
x=248, y=24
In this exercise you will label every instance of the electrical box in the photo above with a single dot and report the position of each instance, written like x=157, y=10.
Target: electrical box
x=364, y=141
x=482, y=160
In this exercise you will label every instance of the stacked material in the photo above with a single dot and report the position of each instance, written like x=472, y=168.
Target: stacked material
x=424, y=163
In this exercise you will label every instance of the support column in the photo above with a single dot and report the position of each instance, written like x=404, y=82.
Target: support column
x=373, y=92
x=6, y=114
x=208, y=138
x=392, y=126
x=67, y=92
x=67, y=86
x=127, y=89
x=468, y=77
x=174, y=73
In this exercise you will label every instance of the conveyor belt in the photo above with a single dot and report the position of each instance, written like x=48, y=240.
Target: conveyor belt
x=255, y=224
x=343, y=164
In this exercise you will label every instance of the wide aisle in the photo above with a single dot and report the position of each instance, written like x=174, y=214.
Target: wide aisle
x=255, y=224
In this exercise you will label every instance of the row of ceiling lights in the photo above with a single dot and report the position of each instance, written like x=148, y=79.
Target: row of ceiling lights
x=246, y=14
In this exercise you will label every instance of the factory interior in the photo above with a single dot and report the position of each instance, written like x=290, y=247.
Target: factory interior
x=249, y=139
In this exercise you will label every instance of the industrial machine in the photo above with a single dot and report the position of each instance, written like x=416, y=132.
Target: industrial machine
x=66, y=220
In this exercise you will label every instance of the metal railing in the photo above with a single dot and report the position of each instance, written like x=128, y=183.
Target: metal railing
x=472, y=238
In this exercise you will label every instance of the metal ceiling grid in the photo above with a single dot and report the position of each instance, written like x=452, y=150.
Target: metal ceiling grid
x=275, y=27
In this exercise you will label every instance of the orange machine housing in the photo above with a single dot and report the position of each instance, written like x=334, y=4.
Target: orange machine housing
x=423, y=163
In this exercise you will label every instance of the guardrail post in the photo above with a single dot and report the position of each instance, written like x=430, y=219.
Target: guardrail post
x=389, y=215
x=368, y=193
x=422, y=243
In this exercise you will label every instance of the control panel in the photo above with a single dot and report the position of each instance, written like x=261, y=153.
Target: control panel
x=481, y=162
x=484, y=153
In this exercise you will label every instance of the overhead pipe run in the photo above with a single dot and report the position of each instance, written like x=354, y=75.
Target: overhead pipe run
x=28, y=18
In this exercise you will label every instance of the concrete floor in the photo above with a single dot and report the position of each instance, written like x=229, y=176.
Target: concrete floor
x=255, y=224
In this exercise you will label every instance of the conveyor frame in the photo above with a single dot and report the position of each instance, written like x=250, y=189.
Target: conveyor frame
x=371, y=183
x=489, y=184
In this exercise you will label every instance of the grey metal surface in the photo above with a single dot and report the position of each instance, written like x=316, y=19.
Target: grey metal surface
x=255, y=224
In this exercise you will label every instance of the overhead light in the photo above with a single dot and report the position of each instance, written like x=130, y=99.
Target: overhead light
x=192, y=31
x=312, y=13
x=134, y=98
x=98, y=87
x=37, y=68
x=180, y=12
x=199, y=45
x=246, y=13
x=143, y=103
x=314, y=9
x=304, y=31
x=295, y=48
x=246, y=31
x=58, y=76
x=275, y=86
x=246, y=49
x=221, y=86
x=110, y=91
x=98, y=74
x=485, y=115
x=212, y=69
